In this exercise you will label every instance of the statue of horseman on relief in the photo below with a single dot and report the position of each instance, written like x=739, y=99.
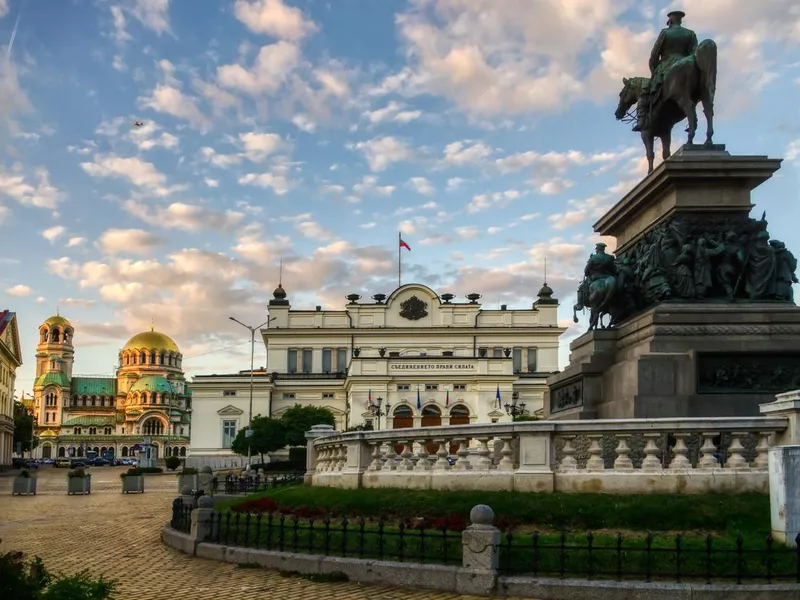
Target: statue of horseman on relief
x=683, y=73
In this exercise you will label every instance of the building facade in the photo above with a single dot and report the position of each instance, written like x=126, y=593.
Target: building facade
x=411, y=359
x=148, y=397
x=10, y=361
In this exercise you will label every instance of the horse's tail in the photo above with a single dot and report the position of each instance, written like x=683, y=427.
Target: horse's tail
x=706, y=57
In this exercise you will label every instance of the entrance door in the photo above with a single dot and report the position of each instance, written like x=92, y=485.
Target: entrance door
x=47, y=449
x=459, y=415
x=403, y=419
x=432, y=417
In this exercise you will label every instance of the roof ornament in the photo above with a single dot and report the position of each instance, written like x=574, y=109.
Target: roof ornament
x=58, y=313
x=152, y=325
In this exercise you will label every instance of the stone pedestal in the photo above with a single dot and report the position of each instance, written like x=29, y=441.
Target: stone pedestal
x=685, y=349
x=784, y=493
x=681, y=360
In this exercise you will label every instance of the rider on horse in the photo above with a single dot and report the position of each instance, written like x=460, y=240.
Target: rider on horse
x=599, y=266
x=674, y=44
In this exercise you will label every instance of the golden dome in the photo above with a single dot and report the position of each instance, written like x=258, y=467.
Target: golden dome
x=57, y=320
x=151, y=340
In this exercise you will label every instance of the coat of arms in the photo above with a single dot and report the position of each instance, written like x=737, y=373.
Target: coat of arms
x=413, y=309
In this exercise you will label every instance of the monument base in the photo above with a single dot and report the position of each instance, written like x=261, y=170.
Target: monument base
x=681, y=360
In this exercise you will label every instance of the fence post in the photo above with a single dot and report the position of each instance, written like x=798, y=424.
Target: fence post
x=187, y=496
x=203, y=525
x=784, y=493
x=205, y=480
x=317, y=431
x=480, y=553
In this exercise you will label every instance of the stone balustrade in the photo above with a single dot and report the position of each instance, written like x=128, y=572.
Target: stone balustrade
x=613, y=456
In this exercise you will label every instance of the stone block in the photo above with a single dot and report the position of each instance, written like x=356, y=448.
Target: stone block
x=784, y=493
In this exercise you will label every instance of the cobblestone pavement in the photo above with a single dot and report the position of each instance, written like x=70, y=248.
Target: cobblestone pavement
x=118, y=536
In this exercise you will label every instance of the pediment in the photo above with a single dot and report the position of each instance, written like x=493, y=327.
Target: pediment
x=497, y=413
x=9, y=336
x=230, y=411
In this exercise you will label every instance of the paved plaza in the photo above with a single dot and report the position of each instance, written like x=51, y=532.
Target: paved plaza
x=118, y=536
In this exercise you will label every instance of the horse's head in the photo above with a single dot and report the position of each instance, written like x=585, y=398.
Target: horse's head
x=627, y=98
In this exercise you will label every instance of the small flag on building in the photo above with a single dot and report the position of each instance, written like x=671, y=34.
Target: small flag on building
x=498, y=396
x=419, y=400
x=447, y=401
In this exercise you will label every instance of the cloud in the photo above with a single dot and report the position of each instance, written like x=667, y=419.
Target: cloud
x=257, y=146
x=180, y=215
x=270, y=70
x=74, y=242
x=53, y=233
x=313, y=230
x=172, y=101
x=457, y=154
x=559, y=162
x=3, y=8
x=147, y=137
x=468, y=233
x=421, y=185
x=80, y=302
x=19, y=291
x=140, y=173
x=394, y=112
x=41, y=194
x=368, y=186
x=380, y=152
x=482, y=202
x=153, y=14
x=276, y=180
x=129, y=241
x=273, y=18
x=304, y=123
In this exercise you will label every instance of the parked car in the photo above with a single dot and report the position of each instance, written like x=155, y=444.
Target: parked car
x=31, y=464
x=62, y=463
x=48, y=461
x=76, y=464
x=100, y=462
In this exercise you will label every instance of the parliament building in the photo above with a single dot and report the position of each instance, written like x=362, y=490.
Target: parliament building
x=148, y=398
x=413, y=358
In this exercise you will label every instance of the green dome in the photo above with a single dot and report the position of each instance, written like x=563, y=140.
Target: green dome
x=153, y=383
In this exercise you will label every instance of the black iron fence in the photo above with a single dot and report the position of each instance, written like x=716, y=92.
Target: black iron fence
x=259, y=483
x=679, y=558
x=181, y=516
x=358, y=538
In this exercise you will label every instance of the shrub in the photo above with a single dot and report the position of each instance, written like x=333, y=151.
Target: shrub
x=132, y=472
x=25, y=474
x=188, y=471
x=172, y=462
x=298, y=455
x=79, y=472
x=143, y=470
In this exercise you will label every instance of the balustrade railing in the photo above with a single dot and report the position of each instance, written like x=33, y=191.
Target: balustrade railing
x=705, y=450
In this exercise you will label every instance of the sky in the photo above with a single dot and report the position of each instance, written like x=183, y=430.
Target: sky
x=314, y=131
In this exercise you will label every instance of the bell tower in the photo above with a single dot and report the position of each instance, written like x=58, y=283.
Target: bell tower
x=55, y=355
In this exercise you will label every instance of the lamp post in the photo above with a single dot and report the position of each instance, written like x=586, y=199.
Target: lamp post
x=515, y=410
x=252, y=330
x=375, y=408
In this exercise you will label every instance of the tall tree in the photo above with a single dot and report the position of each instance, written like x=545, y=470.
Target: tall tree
x=23, y=428
x=299, y=419
x=268, y=436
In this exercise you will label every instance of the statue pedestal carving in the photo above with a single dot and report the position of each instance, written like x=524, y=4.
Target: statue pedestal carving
x=705, y=322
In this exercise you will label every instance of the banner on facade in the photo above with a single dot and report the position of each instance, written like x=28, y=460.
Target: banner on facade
x=432, y=367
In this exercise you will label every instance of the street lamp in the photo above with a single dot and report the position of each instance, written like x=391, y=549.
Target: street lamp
x=375, y=408
x=252, y=330
x=515, y=410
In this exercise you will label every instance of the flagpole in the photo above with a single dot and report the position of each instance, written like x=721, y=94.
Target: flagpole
x=399, y=258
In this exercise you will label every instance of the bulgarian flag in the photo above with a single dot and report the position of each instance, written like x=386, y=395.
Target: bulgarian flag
x=404, y=245
x=447, y=401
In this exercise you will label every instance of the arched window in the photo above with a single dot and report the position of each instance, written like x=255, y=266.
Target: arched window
x=55, y=335
x=152, y=357
x=102, y=400
x=142, y=359
x=107, y=431
x=77, y=431
x=62, y=452
x=144, y=397
x=94, y=400
x=92, y=430
x=124, y=451
x=161, y=358
x=183, y=450
x=67, y=336
x=111, y=401
x=153, y=427
x=44, y=334
x=75, y=400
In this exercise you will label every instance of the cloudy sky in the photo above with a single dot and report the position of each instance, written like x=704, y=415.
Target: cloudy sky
x=315, y=130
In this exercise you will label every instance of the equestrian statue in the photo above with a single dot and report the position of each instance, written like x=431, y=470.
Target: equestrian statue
x=682, y=73
x=598, y=290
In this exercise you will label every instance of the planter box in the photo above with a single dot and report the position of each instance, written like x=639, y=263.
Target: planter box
x=184, y=480
x=24, y=486
x=79, y=485
x=133, y=484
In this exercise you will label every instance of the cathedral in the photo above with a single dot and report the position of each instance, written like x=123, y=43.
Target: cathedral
x=75, y=415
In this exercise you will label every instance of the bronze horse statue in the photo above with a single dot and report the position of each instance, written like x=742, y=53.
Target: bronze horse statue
x=685, y=84
x=598, y=297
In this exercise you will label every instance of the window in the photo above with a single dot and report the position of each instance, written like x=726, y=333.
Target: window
x=403, y=387
x=431, y=387
x=228, y=393
x=291, y=362
x=341, y=359
x=368, y=424
x=494, y=420
x=107, y=431
x=307, y=360
x=497, y=352
x=517, y=360
x=326, y=360
x=77, y=431
x=459, y=387
x=92, y=430
x=288, y=395
x=328, y=395
x=532, y=352
x=228, y=433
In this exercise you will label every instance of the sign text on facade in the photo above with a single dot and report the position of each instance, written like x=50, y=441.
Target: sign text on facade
x=434, y=367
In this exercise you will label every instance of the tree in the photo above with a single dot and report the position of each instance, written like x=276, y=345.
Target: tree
x=299, y=419
x=23, y=428
x=268, y=436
